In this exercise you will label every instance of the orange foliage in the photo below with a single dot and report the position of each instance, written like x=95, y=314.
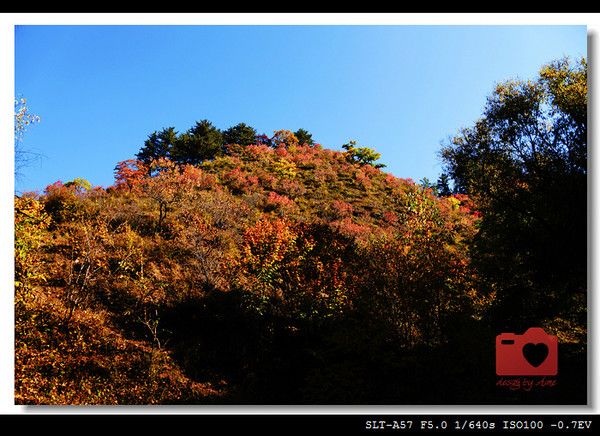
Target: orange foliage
x=130, y=174
x=128, y=289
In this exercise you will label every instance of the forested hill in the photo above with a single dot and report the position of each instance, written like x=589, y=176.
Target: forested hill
x=230, y=267
x=183, y=281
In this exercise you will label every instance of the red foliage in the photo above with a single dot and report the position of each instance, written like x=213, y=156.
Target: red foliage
x=349, y=228
x=391, y=181
x=251, y=153
x=390, y=217
x=363, y=178
x=341, y=209
x=240, y=181
x=370, y=170
x=281, y=151
x=130, y=174
x=466, y=205
x=53, y=187
x=268, y=239
x=192, y=176
x=279, y=203
x=292, y=188
x=263, y=140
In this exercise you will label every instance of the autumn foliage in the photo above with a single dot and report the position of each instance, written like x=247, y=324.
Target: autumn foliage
x=279, y=272
x=179, y=283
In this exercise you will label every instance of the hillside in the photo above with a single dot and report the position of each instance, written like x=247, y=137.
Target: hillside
x=226, y=267
x=232, y=280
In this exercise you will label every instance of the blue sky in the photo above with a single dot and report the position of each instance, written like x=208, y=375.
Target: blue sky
x=100, y=90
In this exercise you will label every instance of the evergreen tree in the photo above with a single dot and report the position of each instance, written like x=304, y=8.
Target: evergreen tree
x=202, y=142
x=159, y=144
x=442, y=185
x=241, y=134
x=304, y=137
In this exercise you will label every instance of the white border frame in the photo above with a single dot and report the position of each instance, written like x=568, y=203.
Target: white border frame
x=7, y=23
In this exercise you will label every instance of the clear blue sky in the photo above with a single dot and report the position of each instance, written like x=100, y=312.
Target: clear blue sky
x=100, y=90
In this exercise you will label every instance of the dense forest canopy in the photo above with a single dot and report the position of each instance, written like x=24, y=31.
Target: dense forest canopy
x=524, y=164
x=233, y=267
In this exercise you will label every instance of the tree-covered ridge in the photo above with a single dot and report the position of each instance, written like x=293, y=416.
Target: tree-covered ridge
x=231, y=267
x=204, y=142
x=295, y=239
